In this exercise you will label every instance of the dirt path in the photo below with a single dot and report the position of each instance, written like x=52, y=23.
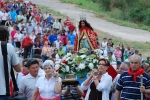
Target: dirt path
x=119, y=31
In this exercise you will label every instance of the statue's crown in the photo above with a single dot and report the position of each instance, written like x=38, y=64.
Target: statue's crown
x=82, y=16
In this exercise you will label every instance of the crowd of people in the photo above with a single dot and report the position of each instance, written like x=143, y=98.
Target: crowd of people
x=40, y=39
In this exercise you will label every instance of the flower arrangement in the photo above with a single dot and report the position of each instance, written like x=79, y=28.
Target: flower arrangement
x=78, y=64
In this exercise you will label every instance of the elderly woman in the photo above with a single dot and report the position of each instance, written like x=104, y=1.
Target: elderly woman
x=48, y=87
x=98, y=84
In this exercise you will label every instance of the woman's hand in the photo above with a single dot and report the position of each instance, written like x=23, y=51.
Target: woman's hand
x=95, y=73
x=56, y=75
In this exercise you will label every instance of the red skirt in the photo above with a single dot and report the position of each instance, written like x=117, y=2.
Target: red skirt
x=41, y=98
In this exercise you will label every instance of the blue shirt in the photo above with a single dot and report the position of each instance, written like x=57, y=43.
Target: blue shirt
x=17, y=11
x=130, y=89
x=13, y=15
x=49, y=19
x=71, y=38
x=52, y=38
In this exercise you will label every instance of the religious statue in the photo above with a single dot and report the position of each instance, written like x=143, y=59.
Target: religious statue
x=86, y=37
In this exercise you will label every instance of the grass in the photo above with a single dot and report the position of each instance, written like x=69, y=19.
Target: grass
x=143, y=47
x=99, y=12
x=54, y=13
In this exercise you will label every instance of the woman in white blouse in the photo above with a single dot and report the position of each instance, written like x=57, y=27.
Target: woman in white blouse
x=48, y=87
x=18, y=38
x=98, y=84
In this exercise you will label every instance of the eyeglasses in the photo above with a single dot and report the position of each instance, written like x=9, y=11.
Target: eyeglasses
x=101, y=64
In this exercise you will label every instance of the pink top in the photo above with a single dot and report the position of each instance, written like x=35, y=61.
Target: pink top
x=117, y=53
x=13, y=34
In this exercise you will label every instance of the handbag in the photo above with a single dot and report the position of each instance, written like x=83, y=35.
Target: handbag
x=15, y=95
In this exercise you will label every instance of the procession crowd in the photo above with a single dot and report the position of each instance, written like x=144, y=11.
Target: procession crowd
x=41, y=40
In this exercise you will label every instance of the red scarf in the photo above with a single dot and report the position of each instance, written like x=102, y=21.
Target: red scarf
x=139, y=72
x=24, y=74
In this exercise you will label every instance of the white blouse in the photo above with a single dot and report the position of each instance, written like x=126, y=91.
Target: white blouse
x=104, y=86
x=47, y=87
x=19, y=37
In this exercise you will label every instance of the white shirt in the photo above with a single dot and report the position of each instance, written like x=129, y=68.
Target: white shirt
x=104, y=86
x=4, y=16
x=115, y=81
x=18, y=77
x=57, y=44
x=27, y=85
x=12, y=60
x=104, y=44
x=41, y=72
x=32, y=38
x=47, y=87
x=38, y=30
x=19, y=37
x=46, y=16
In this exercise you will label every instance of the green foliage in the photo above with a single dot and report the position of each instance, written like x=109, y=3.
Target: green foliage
x=132, y=13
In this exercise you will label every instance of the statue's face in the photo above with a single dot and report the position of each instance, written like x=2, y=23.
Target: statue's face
x=83, y=24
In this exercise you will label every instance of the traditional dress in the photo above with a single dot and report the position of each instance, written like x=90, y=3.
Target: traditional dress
x=86, y=38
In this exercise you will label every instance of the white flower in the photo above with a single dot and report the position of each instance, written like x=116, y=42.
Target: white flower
x=82, y=66
x=67, y=59
x=57, y=66
x=63, y=69
x=69, y=54
x=95, y=60
x=87, y=59
x=67, y=68
x=97, y=51
x=83, y=56
x=91, y=66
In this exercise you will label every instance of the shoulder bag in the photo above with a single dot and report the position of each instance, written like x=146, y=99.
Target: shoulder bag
x=15, y=96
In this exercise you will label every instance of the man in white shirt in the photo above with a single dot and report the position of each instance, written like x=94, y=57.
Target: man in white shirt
x=12, y=60
x=23, y=73
x=27, y=83
x=57, y=42
x=38, y=57
x=46, y=15
x=123, y=67
x=4, y=17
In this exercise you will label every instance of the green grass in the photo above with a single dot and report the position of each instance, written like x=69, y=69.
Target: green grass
x=54, y=13
x=109, y=16
x=143, y=47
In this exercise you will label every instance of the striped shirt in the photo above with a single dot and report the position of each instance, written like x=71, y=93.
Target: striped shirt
x=73, y=95
x=130, y=89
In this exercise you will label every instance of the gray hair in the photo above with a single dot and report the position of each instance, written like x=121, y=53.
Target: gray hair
x=48, y=63
x=127, y=64
x=136, y=56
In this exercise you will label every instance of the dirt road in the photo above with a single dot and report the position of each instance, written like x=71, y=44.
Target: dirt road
x=73, y=12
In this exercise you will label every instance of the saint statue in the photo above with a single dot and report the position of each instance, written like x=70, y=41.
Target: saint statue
x=86, y=37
